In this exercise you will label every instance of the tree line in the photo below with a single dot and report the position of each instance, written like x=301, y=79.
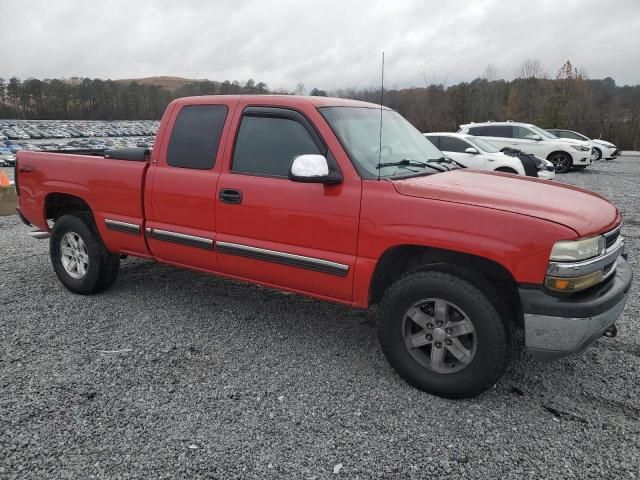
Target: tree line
x=96, y=99
x=568, y=99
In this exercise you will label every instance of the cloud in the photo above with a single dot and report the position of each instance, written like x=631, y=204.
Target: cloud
x=325, y=44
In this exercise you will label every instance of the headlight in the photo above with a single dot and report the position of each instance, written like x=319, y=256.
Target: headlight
x=576, y=250
x=581, y=148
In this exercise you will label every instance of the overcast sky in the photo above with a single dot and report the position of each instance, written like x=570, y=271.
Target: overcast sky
x=325, y=44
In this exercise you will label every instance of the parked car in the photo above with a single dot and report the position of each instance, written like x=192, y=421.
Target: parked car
x=565, y=154
x=475, y=152
x=601, y=148
x=310, y=198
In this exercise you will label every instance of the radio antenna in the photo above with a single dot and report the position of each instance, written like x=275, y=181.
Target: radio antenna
x=381, y=100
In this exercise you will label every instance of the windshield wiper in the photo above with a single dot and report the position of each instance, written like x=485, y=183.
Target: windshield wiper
x=447, y=160
x=408, y=162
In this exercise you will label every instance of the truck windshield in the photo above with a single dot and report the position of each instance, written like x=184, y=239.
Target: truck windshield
x=405, y=151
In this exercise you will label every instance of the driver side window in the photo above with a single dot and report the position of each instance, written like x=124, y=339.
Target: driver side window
x=450, y=144
x=523, y=133
x=266, y=145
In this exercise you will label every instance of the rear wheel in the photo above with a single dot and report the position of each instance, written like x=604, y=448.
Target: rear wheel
x=79, y=258
x=443, y=335
x=561, y=161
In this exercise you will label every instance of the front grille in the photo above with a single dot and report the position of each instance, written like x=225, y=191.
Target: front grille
x=610, y=238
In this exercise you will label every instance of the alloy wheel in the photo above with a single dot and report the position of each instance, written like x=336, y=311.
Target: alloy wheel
x=74, y=255
x=439, y=335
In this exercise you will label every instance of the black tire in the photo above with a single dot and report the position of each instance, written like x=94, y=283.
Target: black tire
x=493, y=342
x=101, y=266
x=598, y=154
x=562, y=161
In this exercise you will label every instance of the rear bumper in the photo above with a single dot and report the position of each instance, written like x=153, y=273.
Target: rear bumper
x=560, y=326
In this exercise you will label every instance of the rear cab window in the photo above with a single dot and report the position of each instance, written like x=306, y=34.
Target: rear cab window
x=196, y=136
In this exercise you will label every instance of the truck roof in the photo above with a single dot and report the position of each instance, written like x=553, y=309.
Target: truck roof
x=280, y=100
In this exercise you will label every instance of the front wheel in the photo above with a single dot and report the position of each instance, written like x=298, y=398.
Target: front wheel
x=597, y=154
x=443, y=335
x=561, y=161
x=79, y=258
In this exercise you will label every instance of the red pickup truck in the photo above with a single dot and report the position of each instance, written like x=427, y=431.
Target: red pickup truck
x=344, y=201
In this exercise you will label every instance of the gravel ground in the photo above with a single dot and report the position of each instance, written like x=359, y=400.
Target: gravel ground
x=176, y=374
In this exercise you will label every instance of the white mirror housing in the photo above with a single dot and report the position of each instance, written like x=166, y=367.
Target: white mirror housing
x=471, y=150
x=312, y=168
x=309, y=166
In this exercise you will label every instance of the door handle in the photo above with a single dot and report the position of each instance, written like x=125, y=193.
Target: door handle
x=230, y=195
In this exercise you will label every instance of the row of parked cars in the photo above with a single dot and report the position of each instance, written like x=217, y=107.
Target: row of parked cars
x=45, y=129
x=521, y=148
x=9, y=148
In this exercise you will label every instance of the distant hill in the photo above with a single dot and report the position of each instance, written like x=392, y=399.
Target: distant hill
x=168, y=83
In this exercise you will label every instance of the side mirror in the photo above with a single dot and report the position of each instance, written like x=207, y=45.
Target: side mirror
x=311, y=168
x=535, y=137
x=471, y=150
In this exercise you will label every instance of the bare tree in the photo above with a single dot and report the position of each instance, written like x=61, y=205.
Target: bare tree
x=490, y=73
x=300, y=89
x=531, y=69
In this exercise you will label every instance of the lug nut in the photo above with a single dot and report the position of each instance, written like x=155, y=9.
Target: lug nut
x=440, y=323
x=438, y=344
x=429, y=336
x=449, y=331
x=429, y=325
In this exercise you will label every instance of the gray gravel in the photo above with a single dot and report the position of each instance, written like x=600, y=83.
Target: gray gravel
x=176, y=374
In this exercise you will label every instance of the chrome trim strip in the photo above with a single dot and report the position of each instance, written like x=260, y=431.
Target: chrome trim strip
x=301, y=261
x=577, y=269
x=124, y=227
x=180, y=238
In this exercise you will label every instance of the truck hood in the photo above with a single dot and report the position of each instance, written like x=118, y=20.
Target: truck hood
x=585, y=212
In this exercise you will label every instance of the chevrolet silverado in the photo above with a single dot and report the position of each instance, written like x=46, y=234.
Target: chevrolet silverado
x=344, y=201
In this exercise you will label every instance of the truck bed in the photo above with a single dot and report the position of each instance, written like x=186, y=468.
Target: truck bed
x=112, y=187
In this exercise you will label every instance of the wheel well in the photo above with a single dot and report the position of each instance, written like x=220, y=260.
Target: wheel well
x=486, y=274
x=562, y=152
x=58, y=204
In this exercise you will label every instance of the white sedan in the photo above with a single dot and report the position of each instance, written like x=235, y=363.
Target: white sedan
x=601, y=148
x=474, y=152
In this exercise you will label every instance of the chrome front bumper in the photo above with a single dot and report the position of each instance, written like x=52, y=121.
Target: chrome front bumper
x=558, y=326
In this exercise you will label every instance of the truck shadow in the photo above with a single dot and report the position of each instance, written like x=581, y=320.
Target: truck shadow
x=308, y=330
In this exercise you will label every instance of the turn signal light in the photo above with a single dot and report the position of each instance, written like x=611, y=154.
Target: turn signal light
x=573, y=284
